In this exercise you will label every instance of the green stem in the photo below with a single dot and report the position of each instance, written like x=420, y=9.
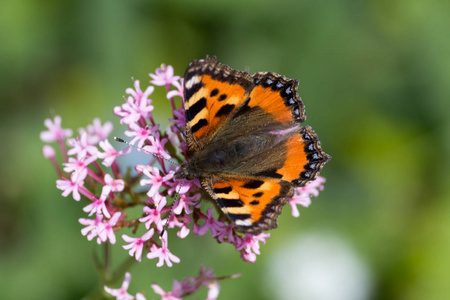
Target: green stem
x=107, y=261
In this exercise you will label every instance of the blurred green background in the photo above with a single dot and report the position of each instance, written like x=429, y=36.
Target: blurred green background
x=374, y=76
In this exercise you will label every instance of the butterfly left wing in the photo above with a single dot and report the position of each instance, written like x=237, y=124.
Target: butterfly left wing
x=252, y=204
x=212, y=93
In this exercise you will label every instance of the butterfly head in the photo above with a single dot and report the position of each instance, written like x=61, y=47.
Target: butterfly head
x=189, y=170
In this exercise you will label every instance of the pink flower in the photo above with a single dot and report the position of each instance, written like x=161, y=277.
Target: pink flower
x=98, y=206
x=189, y=285
x=179, y=118
x=141, y=134
x=154, y=215
x=81, y=147
x=302, y=196
x=93, y=227
x=205, y=275
x=248, y=256
x=121, y=293
x=157, y=146
x=183, y=186
x=162, y=253
x=137, y=244
x=108, y=231
x=78, y=164
x=54, y=132
x=175, y=294
x=174, y=221
x=171, y=132
x=136, y=107
x=211, y=223
x=137, y=93
x=115, y=185
x=213, y=290
x=179, y=90
x=127, y=112
x=164, y=76
x=97, y=132
x=185, y=202
x=140, y=296
x=226, y=234
x=71, y=186
x=110, y=154
x=48, y=152
x=250, y=243
x=184, y=232
x=155, y=181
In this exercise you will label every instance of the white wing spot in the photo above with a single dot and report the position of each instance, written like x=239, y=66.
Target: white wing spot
x=243, y=222
x=191, y=82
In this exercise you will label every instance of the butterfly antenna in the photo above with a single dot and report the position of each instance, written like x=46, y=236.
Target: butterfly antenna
x=177, y=196
x=182, y=132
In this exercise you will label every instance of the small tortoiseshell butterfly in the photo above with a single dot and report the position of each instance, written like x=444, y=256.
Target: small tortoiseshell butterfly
x=245, y=141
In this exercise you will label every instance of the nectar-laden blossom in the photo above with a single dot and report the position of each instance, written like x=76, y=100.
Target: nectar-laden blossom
x=114, y=185
x=80, y=146
x=164, y=76
x=210, y=224
x=55, y=132
x=73, y=185
x=91, y=167
x=162, y=253
x=180, y=289
x=302, y=196
x=156, y=180
x=136, y=245
x=121, y=293
x=139, y=134
x=93, y=227
x=110, y=154
x=48, y=151
x=175, y=294
x=107, y=232
x=157, y=146
x=97, y=132
x=98, y=206
x=154, y=214
x=78, y=164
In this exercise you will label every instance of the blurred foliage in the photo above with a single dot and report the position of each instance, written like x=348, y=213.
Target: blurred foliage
x=374, y=76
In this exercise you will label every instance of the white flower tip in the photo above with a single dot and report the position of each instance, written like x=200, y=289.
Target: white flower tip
x=48, y=151
x=140, y=296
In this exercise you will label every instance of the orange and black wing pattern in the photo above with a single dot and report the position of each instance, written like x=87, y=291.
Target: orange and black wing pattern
x=246, y=143
x=212, y=92
x=252, y=204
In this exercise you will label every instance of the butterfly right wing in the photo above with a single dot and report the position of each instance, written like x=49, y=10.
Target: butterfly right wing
x=252, y=204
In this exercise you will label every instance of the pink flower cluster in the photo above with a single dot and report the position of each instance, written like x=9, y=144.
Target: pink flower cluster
x=90, y=168
x=186, y=287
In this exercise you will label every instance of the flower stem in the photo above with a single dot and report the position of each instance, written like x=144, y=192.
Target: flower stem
x=107, y=260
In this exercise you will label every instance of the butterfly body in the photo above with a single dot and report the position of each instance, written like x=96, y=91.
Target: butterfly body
x=245, y=141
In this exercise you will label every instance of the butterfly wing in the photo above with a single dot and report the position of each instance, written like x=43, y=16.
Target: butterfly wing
x=263, y=138
x=212, y=93
x=252, y=204
x=253, y=192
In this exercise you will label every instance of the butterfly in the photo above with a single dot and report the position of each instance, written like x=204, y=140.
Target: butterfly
x=245, y=142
